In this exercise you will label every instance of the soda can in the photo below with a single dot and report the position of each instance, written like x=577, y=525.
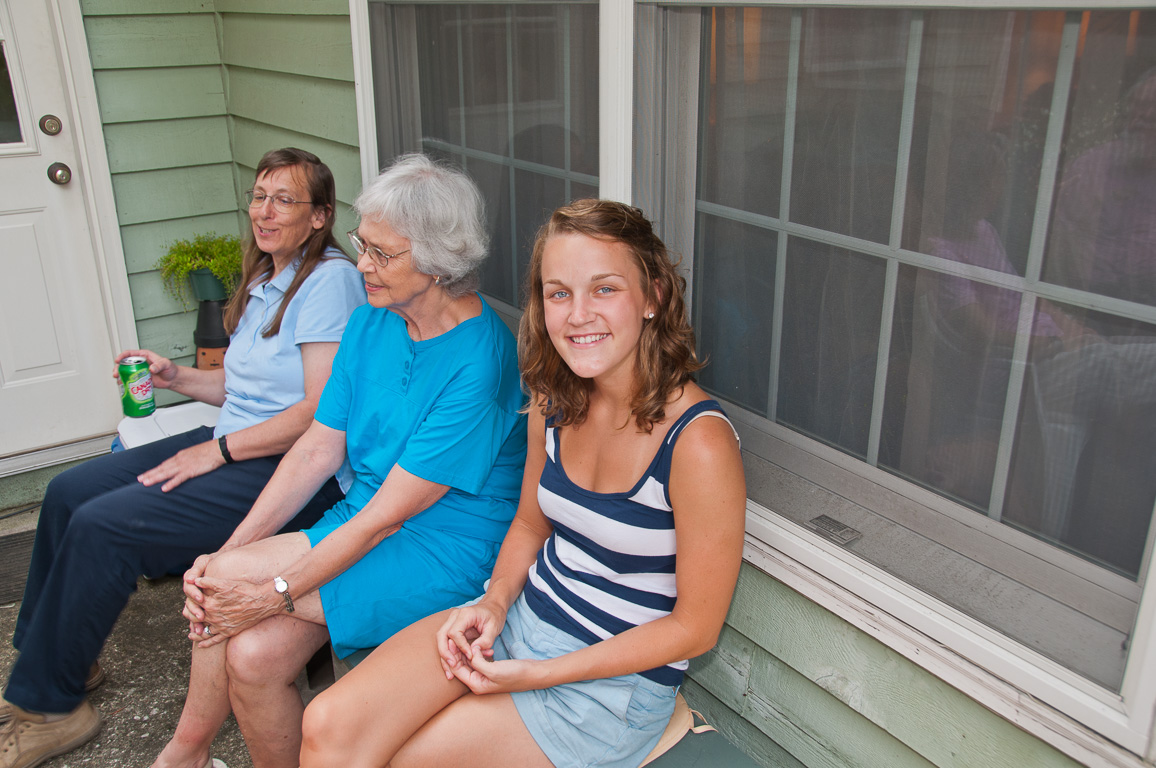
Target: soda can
x=136, y=387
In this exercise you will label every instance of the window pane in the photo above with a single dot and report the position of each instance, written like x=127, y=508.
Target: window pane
x=831, y=321
x=741, y=158
x=1103, y=234
x=9, y=120
x=1084, y=468
x=736, y=279
x=510, y=92
x=889, y=268
x=850, y=95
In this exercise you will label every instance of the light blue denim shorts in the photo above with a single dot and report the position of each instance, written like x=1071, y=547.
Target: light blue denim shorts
x=612, y=723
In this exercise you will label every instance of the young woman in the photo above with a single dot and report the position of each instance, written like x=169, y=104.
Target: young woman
x=621, y=560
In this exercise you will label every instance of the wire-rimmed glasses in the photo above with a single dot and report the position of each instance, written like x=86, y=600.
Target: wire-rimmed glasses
x=281, y=203
x=379, y=257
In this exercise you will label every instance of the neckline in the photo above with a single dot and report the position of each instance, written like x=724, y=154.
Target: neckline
x=693, y=410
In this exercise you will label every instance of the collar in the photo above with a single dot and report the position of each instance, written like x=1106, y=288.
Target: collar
x=280, y=282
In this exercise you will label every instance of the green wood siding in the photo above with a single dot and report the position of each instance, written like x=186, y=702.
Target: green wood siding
x=834, y=697
x=191, y=94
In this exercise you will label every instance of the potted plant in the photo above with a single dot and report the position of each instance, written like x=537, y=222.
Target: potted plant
x=210, y=262
x=211, y=265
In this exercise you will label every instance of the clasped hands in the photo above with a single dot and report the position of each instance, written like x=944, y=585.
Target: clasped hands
x=220, y=608
x=465, y=645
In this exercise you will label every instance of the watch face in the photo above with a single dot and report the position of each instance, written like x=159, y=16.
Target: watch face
x=280, y=585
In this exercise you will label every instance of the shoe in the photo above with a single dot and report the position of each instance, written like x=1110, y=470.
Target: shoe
x=27, y=740
x=96, y=676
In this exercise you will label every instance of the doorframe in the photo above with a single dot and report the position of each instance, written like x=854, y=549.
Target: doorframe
x=100, y=207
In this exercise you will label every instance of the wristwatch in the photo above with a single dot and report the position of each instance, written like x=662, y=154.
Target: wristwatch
x=283, y=589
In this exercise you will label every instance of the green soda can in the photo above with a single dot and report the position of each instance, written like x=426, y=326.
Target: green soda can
x=136, y=387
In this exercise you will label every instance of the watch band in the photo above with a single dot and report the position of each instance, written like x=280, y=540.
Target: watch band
x=282, y=588
x=221, y=442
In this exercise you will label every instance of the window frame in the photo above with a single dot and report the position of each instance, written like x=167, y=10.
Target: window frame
x=1091, y=724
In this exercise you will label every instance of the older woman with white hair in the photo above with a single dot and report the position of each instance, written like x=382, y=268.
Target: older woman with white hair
x=424, y=401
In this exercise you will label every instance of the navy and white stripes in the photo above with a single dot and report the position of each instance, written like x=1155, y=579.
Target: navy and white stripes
x=609, y=564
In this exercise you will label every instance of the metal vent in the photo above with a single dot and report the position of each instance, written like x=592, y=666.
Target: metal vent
x=833, y=529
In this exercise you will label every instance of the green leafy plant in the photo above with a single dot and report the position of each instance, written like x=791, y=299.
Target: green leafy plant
x=220, y=254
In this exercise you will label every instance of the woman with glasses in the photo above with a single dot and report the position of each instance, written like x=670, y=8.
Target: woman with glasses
x=152, y=509
x=424, y=402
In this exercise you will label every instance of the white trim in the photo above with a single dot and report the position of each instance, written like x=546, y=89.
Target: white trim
x=615, y=99
x=363, y=89
x=58, y=454
x=977, y=660
x=921, y=5
x=95, y=175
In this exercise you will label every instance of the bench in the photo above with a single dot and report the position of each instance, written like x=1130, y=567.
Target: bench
x=699, y=747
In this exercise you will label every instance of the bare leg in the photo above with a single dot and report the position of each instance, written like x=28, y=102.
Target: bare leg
x=207, y=703
x=477, y=731
x=263, y=665
x=205, y=710
x=398, y=706
x=366, y=716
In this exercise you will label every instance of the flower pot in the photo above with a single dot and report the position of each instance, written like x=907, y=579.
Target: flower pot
x=206, y=286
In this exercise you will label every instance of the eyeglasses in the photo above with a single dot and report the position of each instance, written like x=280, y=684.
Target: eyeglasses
x=379, y=257
x=281, y=203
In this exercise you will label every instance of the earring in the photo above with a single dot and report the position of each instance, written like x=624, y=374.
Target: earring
x=650, y=316
x=437, y=280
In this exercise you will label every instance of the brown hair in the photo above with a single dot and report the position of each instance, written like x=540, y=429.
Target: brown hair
x=257, y=266
x=664, y=359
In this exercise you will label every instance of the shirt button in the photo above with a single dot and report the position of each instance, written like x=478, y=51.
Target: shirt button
x=407, y=365
x=405, y=382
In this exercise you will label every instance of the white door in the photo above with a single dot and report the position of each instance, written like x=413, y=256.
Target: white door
x=55, y=341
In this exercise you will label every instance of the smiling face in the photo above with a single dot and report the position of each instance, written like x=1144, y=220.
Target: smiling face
x=396, y=286
x=594, y=305
x=281, y=235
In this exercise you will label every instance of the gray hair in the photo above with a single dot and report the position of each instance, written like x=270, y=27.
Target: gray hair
x=439, y=209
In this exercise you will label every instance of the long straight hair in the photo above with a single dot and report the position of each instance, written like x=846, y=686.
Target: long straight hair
x=257, y=266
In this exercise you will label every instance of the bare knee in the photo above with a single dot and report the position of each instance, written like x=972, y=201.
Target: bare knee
x=255, y=659
x=233, y=564
x=329, y=723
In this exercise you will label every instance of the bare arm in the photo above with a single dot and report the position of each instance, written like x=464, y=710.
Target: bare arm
x=481, y=623
x=241, y=604
x=272, y=436
x=708, y=493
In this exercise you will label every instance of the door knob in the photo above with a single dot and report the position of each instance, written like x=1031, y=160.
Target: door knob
x=50, y=124
x=59, y=173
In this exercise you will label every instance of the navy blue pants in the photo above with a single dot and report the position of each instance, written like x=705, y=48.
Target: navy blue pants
x=100, y=529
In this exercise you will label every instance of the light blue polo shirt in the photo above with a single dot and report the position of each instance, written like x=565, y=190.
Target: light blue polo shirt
x=444, y=409
x=263, y=376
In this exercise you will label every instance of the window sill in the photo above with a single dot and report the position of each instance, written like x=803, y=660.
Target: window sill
x=1047, y=700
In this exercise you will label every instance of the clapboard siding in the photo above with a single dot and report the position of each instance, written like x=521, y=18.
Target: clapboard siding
x=167, y=144
x=172, y=193
x=144, y=7
x=152, y=41
x=314, y=106
x=132, y=95
x=287, y=8
x=835, y=697
x=314, y=46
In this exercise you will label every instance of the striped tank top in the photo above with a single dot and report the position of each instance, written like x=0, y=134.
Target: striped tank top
x=609, y=564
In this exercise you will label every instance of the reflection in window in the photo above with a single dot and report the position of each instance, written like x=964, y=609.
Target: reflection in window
x=511, y=94
x=905, y=220
x=9, y=119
